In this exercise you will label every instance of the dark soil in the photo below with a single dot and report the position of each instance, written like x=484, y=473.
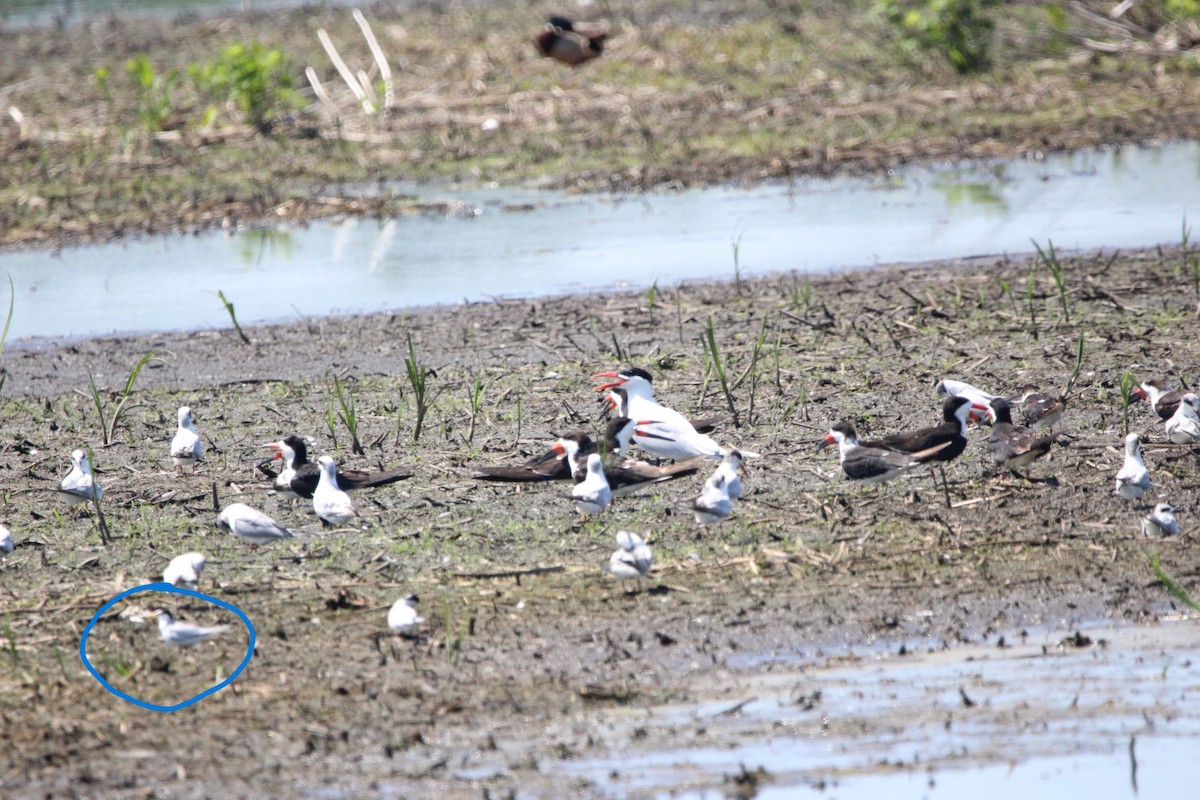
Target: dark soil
x=528, y=645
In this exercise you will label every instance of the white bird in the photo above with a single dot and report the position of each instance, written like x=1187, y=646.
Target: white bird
x=184, y=569
x=6, y=542
x=403, y=617
x=1134, y=478
x=1184, y=425
x=186, y=449
x=714, y=503
x=330, y=503
x=79, y=486
x=632, y=559
x=592, y=495
x=662, y=431
x=731, y=466
x=251, y=525
x=1161, y=521
x=950, y=387
x=184, y=634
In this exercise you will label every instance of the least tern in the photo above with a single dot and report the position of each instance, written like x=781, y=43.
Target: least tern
x=632, y=559
x=330, y=503
x=184, y=569
x=403, y=617
x=251, y=525
x=184, y=634
x=1133, y=477
x=592, y=495
x=1161, y=521
x=79, y=486
x=186, y=449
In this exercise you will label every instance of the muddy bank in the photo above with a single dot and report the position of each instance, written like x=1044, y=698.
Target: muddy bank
x=683, y=96
x=528, y=644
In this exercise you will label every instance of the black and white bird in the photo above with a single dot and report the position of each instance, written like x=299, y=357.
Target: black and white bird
x=1133, y=479
x=251, y=525
x=1164, y=399
x=300, y=476
x=1184, y=425
x=403, y=617
x=184, y=569
x=872, y=464
x=948, y=387
x=80, y=485
x=1161, y=521
x=186, y=448
x=1012, y=446
x=185, y=634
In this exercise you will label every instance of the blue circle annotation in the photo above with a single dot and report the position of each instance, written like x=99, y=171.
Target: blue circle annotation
x=166, y=587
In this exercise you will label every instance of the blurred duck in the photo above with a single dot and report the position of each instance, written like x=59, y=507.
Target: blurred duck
x=562, y=42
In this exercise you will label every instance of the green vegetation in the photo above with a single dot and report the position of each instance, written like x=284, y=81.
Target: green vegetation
x=233, y=317
x=418, y=380
x=254, y=79
x=108, y=425
x=154, y=104
x=348, y=414
x=959, y=30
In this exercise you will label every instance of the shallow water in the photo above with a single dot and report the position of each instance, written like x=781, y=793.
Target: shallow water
x=565, y=244
x=1044, y=718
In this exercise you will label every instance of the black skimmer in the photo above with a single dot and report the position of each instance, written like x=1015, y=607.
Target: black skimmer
x=1184, y=425
x=956, y=410
x=251, y=525
x=872, y=464
x=301, y=476
x=403, y=618
x=714, y=503
x=79, y=486
x=1013, y=446
x=592, y=495
x=1163, y=398
x=561, y=41
x=632, y=559
x=1161, y=521
x=1038, y=410
x=1133, y=478
x=670, y=435
x=184, y=569
x=330, y=502
x=186, y=449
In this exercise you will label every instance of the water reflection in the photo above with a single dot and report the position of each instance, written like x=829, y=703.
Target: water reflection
x=517, y=243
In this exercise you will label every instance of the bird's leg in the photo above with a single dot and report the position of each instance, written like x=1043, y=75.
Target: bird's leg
x=945, y=485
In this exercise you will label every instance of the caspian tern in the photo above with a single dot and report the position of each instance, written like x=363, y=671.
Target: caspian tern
x=1161, y=521
x=714, y=503
x=948, y=387
x=184, y=634
x=79, y=486
x=6, y=540
x=872, y=464
x=1133, y=478
x=251, y=525
x=330, y=503
x=186, y=449
x=592, y=495
x=1184, y=425
x=1013, y=446
x=671, y=435
x=617, y=400
x=632, y=559
x=1038, y=410
x=403, y=618
x=184, y=569
x=300, y=476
